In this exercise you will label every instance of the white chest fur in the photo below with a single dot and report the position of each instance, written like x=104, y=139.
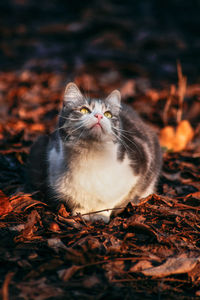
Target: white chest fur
x=97, y=180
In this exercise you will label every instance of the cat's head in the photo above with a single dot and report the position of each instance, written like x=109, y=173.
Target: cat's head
x=83, y=119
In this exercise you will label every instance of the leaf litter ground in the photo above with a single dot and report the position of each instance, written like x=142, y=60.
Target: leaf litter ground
x=150, y=250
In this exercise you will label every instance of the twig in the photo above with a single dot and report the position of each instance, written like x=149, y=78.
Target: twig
x=98, y=211
x=5, y=287
x=111, y=260
x=185, y=206
x=168, y=104
x=182, y=84
x=153, y=278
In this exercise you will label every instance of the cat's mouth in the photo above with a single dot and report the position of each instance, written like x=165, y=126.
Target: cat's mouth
x=97, y=125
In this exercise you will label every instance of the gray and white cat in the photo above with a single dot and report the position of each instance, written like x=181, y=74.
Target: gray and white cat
x=101, y=156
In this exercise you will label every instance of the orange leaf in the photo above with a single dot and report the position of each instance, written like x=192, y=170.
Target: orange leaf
x=167, y=135
x=22, y=202
x=31, y=227
x=176, y=140
x=54, y=227
x=184, y=134
x=5, y=206
x=62, y=211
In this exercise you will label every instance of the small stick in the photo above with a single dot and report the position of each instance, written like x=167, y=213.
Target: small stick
x=98, y=211
x=5, y=287
x=168, y=104
x=182, y=84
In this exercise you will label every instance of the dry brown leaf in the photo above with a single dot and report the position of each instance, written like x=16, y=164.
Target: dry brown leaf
x=194, y=274
x=70, y=221
x=114, y=268
x=141, y=265
x=56, y=244
x=22, y=202
x=54, y=227
x=176, y=140
x=112, y=244
x=176, y=265
x=194, y=195
x=30, y=226
x=5, y=206
x=68, y=273
x=62, y=211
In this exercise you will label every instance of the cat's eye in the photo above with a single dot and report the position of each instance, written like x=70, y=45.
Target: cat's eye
x=108, y=114
x=84, y=110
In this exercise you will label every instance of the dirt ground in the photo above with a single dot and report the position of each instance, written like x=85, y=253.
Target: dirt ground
x=149, y=50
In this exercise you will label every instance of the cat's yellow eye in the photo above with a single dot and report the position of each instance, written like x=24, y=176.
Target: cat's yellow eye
x=84, y=110
x=108, y=114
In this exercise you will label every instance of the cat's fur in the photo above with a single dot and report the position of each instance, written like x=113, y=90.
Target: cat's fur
x=94, y=163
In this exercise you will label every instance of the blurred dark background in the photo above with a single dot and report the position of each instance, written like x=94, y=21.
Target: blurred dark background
x=128, y=39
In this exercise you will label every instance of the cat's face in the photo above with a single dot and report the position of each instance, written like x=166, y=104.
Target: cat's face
x=89, y=119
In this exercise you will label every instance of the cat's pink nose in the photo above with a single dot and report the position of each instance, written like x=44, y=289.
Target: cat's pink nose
x=98, y=116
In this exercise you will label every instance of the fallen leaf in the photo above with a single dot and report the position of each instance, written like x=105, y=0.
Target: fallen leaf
x=63, y=212
x=184, y=134
x=195, y=195
x=141, y=265
x=178, y=139
x=30, y=227
x=114, y=268
x=167, y=135
x=22, y=202
x=56, y=244
x=172, y=266
x=5, y=206
x=54, y=227
x=65, y=275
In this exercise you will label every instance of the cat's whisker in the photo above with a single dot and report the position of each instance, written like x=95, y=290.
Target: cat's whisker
x=67, y=118
x=80, y=135
x=57, y=129
x=125, y=136
x=135, y=145
x=63, y=127
x=132, y=142
x=122, y=130
x=123, y=143
x=76, y=129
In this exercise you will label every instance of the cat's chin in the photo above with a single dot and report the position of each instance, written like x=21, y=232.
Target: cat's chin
x=96, y=131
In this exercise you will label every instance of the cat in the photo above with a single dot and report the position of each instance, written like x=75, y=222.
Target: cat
x=100, y=157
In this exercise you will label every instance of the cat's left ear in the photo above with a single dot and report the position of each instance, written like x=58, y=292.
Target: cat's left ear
x=114, y=99
x=72, y=93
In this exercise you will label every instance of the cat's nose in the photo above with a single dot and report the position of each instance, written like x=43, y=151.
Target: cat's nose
x=98, y=116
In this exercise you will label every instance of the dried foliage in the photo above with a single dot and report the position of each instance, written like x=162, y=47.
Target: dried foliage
x=149, y=249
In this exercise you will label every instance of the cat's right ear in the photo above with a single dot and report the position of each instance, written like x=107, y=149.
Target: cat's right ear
x=72, y=93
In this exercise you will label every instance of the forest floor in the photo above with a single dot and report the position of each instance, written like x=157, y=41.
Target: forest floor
x=149, y=251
